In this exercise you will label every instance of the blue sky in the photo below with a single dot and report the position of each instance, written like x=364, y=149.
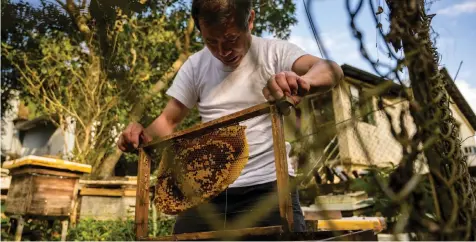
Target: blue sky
x=454, y=22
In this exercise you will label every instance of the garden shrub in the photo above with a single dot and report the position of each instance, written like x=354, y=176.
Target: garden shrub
x=87, y=230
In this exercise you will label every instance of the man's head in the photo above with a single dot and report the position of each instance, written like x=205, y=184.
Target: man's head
x=225, y=26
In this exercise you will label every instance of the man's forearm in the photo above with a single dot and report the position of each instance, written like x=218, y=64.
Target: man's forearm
x=160, y=128
x=173, y=113
x=324, y=74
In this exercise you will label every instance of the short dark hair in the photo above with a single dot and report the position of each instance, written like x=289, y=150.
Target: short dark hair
x=221, y=11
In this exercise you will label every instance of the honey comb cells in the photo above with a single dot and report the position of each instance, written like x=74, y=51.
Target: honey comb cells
x=193, y=170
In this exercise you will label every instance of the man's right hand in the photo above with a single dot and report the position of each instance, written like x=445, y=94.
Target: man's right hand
x=131, y=137
x=173, y=113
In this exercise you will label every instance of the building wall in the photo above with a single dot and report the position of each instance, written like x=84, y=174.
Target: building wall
x=36, y=140
x=307, y=133
x=382, y=148
x=377, y=140
x=466, y=131
x=8, y=143
x=42, y=140
x=363, y=144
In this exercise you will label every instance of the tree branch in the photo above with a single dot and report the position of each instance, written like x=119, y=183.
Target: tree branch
x=137, y=111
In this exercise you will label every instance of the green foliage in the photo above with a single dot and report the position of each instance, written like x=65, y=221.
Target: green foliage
x=381, y=203
x=19, y=20
x=33, y=230
x=274, y=16
x=91, y=230
x=96, y=63
x=87, y=230
x=113, y=230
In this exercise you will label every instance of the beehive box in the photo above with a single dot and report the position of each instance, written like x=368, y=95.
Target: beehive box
x=5, y=180
x=343, y=202
x=108, y=199
x=43, y=186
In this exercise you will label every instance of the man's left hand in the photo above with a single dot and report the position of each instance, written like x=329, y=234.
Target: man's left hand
x=286, y=84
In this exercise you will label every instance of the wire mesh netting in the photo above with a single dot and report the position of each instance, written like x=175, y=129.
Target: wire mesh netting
x=398, y=142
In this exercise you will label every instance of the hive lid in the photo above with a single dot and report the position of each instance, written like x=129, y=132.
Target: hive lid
x=47, y=162
x=5, y=172
x=353, y=223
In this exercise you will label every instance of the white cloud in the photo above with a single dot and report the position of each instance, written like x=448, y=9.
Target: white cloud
x=306, y=43
x=340, y=46
x=460, y=8
x=468, y=92
x=447, y=47
x=464, y=75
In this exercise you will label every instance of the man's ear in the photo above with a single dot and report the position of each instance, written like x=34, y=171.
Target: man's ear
x=251, y=19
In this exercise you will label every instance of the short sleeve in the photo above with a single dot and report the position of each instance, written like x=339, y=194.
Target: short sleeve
x=183, y=86
x=288, y=53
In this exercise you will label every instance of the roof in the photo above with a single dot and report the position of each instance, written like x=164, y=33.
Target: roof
x=395, y=89
x=22, y=125
x=367, y=77
x=458, y=98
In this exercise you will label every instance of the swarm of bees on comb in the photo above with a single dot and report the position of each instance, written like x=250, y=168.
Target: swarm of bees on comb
x=194, y=170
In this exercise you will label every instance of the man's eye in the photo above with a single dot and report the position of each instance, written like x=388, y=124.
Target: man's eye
x=211, y=42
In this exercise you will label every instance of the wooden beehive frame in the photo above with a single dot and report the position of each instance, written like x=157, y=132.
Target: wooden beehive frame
x=276, y=110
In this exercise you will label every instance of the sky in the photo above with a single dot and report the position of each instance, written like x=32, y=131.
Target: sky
x=454, y=22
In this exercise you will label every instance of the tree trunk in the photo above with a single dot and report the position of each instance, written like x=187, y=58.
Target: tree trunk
x=106, y=167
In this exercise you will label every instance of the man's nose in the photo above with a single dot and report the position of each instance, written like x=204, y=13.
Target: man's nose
x=224, y=49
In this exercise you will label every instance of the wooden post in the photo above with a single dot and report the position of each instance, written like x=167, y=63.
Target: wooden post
x=19, y=230
x=282, y=175
x=64, y=229
x=142, y=197
x=154, y=221
x=75, y=203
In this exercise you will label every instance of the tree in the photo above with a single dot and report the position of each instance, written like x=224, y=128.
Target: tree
x=113, y=66
x=18, y=20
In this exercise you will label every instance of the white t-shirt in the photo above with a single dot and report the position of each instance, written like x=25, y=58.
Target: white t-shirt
x=218, y=91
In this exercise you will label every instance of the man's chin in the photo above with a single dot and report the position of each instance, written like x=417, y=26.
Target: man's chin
x=233, y=64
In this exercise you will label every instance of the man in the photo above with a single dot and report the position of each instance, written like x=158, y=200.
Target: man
x=236, y=70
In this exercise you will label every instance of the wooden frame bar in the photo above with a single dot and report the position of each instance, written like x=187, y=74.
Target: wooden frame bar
x=233, y=118
x=142, y=197
x=282, y=175
x=276, y=111
x=221, y=234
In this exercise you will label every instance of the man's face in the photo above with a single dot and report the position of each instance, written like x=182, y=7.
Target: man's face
x=228, y=43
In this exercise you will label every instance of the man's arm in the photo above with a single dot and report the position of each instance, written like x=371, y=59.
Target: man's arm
x=307, y=71
x=173, y=113
x=319, y=73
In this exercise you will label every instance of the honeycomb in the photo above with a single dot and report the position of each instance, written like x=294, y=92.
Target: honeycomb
x=193, y=170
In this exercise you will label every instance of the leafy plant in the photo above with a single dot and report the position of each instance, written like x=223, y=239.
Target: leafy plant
x=113, y=230
x=381, y=203
x=85, y=230
x=92, y=230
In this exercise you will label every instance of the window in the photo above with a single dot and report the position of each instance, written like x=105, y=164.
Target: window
x=322, y=108
x=469, y=150
x=361, y=106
